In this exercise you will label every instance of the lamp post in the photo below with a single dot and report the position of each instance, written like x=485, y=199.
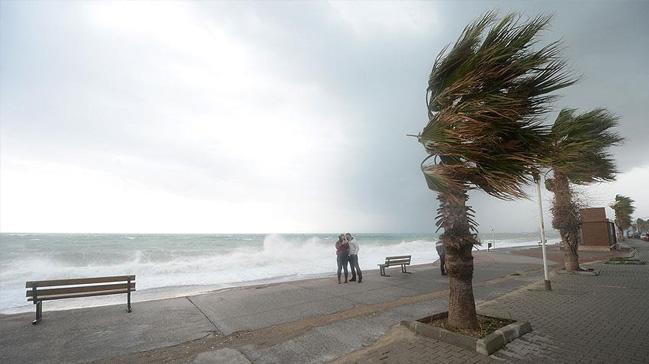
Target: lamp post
x=548, y=285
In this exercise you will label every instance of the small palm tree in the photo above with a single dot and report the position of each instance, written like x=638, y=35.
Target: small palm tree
x=485, y=96
x=643, y=225
x=578, y=155
x=623, y=207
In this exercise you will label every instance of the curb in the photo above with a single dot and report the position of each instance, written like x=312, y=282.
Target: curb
x=486, y=345
x=579, y=272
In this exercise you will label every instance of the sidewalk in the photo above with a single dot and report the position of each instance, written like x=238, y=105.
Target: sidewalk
x=294, y=322
x=585, y=319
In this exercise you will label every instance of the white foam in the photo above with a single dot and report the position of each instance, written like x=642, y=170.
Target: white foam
x=278, y=258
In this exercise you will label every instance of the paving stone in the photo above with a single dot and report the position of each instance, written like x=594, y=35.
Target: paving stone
x=221, y=356
x=584, y=319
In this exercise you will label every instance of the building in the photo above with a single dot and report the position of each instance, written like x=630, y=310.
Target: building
x=597, y=232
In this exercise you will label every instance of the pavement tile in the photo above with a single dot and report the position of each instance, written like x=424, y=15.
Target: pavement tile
x=584, y=319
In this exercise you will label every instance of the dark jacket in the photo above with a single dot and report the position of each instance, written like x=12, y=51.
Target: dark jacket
x=342, y=248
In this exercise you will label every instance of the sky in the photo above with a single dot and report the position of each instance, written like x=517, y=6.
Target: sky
x=260, y=117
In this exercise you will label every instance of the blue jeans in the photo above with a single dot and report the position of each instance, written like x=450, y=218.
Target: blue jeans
x=342, y=260
x=442, y=258
x=356, y=269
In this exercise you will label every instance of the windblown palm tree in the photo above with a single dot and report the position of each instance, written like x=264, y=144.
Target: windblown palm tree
x=623, y=207
x=643, y=225
x=485, y=96
x=578, y=154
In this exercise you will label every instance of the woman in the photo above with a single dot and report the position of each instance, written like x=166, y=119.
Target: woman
x=342, y=255
x=439, y=246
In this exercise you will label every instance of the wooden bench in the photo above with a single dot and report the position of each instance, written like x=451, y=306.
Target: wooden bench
x=402, y=260
x=78, y=287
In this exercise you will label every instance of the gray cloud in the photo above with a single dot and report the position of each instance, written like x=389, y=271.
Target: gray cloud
x=76, y=95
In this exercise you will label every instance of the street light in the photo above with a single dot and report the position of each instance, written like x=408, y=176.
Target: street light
x=548, y=285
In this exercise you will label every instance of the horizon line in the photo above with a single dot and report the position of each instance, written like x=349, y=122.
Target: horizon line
x=250, y=233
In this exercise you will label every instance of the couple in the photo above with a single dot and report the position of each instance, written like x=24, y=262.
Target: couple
x=347, y=251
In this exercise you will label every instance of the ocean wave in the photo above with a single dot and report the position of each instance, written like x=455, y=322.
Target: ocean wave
x=189, y=261
x=277, y=256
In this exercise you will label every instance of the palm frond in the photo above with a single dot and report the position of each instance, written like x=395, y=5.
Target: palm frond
x=623, y=207
x=485, y=97
x=579, y=146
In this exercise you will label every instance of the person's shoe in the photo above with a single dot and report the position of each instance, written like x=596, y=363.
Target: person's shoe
x=338, y=280
x=360, y=280
x=353, y=279
x=444, y=274
x=345, y=281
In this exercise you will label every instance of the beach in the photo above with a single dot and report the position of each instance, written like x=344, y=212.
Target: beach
x=313, y=320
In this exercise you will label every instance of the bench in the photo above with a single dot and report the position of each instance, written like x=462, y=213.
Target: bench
x=78, y=287
x=402, y=260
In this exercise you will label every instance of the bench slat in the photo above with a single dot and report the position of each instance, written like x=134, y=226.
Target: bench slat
x=392, y=261
x=79, y=289
x=399, y=257
x=73, y=281
x=397, y=260
x=76, y=295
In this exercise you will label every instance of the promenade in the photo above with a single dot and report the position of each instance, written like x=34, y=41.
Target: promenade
x=320, y=321
x=584, y=319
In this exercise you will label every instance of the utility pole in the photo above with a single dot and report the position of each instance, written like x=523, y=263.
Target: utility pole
x=548, y=284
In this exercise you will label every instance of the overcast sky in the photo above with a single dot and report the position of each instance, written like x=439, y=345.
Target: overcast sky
x=199, y=117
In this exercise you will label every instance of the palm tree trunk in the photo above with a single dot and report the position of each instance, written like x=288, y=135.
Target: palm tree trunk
x=621, y=233
x=458, y=242
x=565, y=218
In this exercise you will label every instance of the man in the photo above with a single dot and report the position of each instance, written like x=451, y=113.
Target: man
x=439, y=246
x=353, y=258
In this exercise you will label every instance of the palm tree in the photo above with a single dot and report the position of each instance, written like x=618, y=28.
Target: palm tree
x=578, y=155
x=643, y=225
x=623, y=207
x=485, y=96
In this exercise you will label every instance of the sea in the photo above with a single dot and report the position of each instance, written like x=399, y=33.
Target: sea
x=177, y=265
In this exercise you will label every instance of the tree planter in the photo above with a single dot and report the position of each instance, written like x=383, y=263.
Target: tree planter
x=621, y=260
x=581, y=272
x=485, y=345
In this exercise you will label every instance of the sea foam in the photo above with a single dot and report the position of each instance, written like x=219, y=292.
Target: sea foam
x=170, y=265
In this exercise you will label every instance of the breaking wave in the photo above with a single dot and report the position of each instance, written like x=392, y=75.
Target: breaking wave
x=161, y=261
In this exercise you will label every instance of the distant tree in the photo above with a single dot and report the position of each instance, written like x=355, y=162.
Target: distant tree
x=485, y=96
x=624, y=208
x=642, y=225
x=578, y=155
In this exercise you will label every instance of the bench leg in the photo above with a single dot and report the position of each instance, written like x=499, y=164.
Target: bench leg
x=383, y=274
x=39, y=313
x=403, y=269
x=128, y=296
x=128, y=301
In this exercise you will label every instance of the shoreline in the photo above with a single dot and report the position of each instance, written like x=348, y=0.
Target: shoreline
x=185, y=291
x=179, y=291
x=262, y=320
x=172, y=292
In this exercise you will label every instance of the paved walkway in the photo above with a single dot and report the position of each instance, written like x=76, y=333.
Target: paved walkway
x=312, y=321
x=305, y=321
x=584, y=319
